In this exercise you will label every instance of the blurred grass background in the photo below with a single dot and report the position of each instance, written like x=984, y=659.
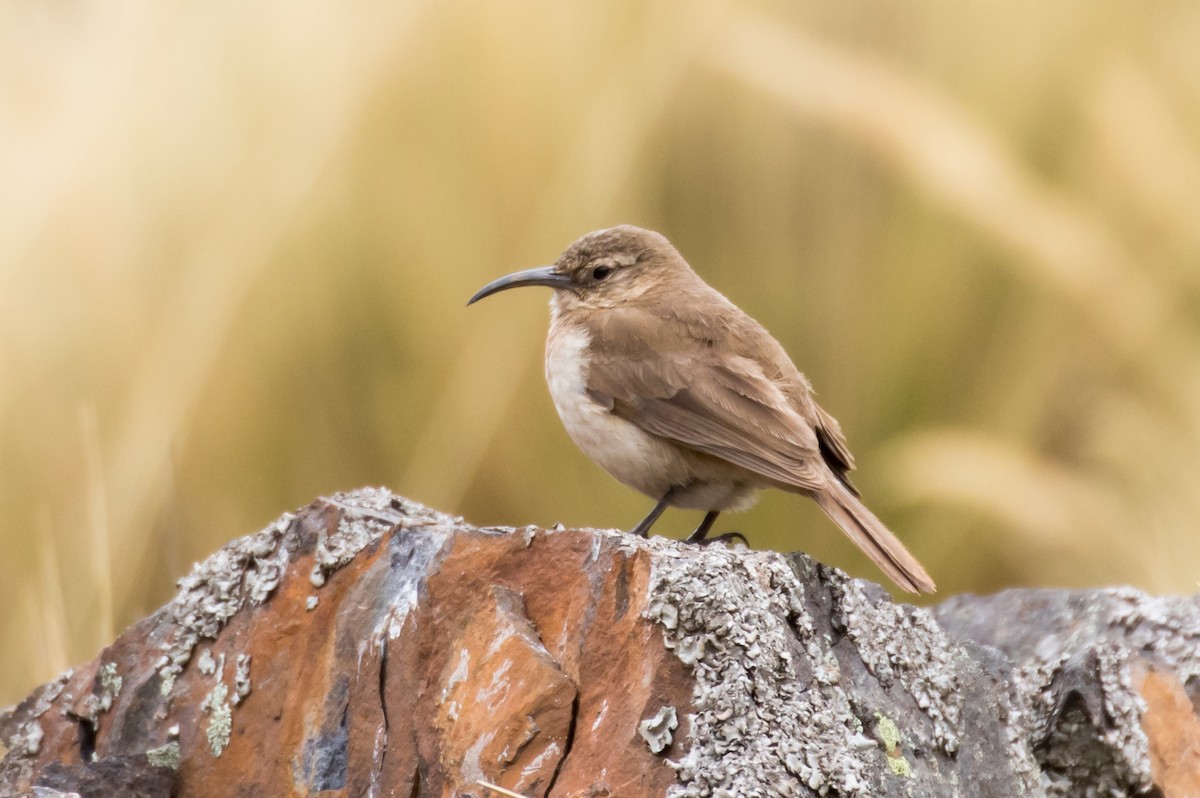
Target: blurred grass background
x=236, y=241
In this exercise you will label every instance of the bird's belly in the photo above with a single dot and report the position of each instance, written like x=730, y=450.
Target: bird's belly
x=636, y=458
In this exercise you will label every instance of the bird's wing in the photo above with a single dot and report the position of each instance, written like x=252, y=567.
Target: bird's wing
x=778, y=367
x=722, y=406
x=833, y=447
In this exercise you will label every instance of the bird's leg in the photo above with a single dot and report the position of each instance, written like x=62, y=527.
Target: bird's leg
x=705, y=525
x=643, y=527
x=701, y=534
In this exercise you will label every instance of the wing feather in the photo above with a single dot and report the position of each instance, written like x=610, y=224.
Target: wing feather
x=727, y=409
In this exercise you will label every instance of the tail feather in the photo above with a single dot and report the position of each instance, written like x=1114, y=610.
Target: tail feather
x=875, y=540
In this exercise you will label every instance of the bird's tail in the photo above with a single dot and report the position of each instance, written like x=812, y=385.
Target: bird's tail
x=876, y=541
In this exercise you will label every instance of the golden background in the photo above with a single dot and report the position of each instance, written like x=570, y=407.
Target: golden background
x=236, y=240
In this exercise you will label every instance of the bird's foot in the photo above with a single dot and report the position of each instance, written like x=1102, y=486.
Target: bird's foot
x=642, y=530
x=725, y=537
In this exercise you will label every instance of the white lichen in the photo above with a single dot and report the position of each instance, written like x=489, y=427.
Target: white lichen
x=904, y=644
x=241, y=679
x=762, y=717
x=367, y=514
x=110, y=685
x=354, y=533
x=246, y=570
x=658, y=731
x=1076, y=658
x=1164, y=628
x=28, y=738
x=1110, y=752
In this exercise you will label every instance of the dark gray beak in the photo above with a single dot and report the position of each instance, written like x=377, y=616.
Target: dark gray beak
x=542, y=275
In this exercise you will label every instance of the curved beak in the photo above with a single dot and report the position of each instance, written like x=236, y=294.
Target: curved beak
x=542, y=275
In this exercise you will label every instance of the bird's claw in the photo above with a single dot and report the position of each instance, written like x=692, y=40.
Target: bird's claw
x=725, y=537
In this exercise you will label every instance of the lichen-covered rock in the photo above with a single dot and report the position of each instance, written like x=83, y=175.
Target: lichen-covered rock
x=807, y=682
x=369, y=646
x=1108, y=680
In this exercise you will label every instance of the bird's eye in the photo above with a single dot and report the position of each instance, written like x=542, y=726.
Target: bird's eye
x=600, y=272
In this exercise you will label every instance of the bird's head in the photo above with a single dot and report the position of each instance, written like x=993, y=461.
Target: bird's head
x=604, y=268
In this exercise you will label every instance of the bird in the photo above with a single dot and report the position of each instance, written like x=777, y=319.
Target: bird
x=678, y=393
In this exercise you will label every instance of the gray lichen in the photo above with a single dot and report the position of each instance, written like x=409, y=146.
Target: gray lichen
x=1110, y=753
x=771, y=717
x=367, y=514
x=352, y=536
x=27, y=739
x=1055, y=690
x=109, y=682
x=42, y=699
x=658, y=731
x=110, y=685
x=1164, y=628
x=241, y=679
x=902, y=643
x=1099, y=742
x=804, y=681
x=1076, y=658
x=248, y=569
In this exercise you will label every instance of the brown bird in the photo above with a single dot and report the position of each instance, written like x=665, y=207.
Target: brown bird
x=676, y=392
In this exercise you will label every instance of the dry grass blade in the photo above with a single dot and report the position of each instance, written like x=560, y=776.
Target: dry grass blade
x=498, y=789
x=98, y=526
x=53, y=621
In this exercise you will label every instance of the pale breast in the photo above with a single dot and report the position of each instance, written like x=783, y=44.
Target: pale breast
x=632, y=456
x=638, y=459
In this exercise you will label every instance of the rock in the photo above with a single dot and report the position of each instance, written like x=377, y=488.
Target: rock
x=369, y=646
x=1104, y=678
x=126, y=776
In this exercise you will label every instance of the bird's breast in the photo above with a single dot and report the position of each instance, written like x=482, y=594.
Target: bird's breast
x=634, y=457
